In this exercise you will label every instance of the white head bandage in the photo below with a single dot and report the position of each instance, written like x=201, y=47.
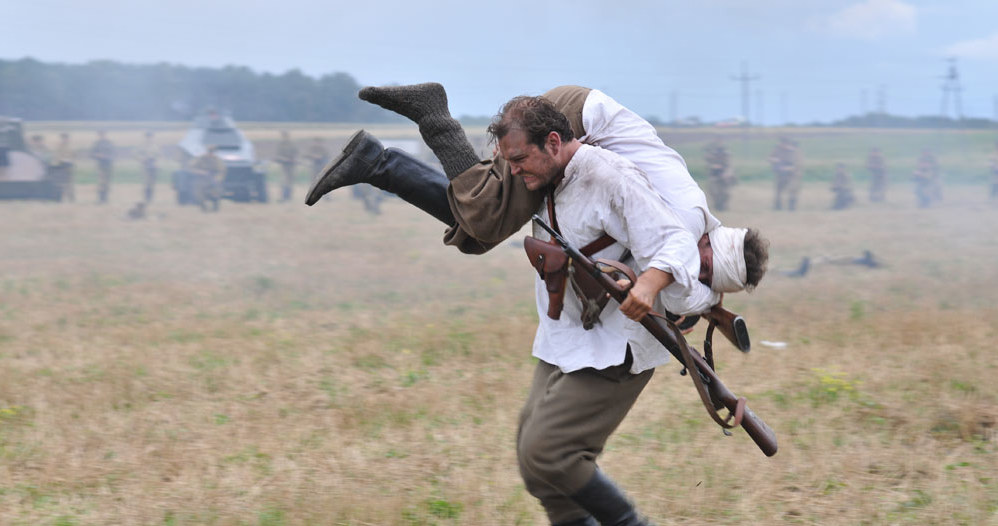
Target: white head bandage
x=729, y=259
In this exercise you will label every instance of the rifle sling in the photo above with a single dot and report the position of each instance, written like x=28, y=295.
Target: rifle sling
x=734, y=418
x=591, y=295
x=708, y=344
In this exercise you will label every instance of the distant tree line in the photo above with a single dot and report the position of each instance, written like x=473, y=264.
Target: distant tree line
x=884, y=120
x=106, y=90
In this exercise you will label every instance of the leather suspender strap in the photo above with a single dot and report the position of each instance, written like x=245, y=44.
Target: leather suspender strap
x=551, y=216
x=600, y=243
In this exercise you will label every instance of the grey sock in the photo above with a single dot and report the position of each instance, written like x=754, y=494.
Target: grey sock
x=426, y=105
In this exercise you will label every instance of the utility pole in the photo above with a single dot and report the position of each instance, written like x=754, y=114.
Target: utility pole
x=745, y=79
x=880, y=109
x=951, y=86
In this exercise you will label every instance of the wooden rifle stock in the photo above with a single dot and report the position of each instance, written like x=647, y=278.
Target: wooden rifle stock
x=760, y=433
x=731, y=325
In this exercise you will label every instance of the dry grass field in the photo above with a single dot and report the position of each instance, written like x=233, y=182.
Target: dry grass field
x=277, y=365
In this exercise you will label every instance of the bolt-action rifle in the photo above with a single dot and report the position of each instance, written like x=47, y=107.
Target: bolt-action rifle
x=712, y=392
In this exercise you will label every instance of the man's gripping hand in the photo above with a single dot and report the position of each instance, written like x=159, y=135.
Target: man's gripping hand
x=641, y=296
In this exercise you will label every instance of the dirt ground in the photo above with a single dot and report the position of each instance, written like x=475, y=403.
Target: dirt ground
x=278, y=364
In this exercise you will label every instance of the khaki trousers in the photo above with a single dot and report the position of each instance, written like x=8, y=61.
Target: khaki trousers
x=564, y=426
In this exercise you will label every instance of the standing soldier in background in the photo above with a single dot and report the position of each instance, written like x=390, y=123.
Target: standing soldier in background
x=877, y=167
x=928, y=187
x=720, y=175
x=147, y=155
x=318, y=154
x=41, y=151
x=62, y=163
x=994, y=173
x=103, y=152
x=785, y=160
x=842, y=188
x=210, y=170
x=286, y=157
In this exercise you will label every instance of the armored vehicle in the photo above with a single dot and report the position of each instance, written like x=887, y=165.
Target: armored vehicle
x=243, y=182
x=24, y=174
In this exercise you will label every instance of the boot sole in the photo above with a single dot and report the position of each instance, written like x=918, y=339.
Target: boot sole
x=321, y=186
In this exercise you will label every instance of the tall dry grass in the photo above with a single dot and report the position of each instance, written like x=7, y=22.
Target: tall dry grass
x=277, y=364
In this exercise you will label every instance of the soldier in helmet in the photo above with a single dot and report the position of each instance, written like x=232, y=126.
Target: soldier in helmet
x=209, y=170
x=318, y=154
x=842, y=188
x=928, y=187
x=62, y=164
x=785, y=161
x=286, y=157
x=103, y=153
x=147, y=155
x=877, y=167
x=720, y=176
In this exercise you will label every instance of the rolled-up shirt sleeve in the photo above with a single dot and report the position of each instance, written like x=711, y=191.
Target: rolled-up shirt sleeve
x=693, y=300
x=656, y=239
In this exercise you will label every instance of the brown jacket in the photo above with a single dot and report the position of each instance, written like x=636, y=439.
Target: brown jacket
x=489, y=203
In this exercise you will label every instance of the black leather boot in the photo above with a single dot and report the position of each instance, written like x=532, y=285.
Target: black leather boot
x=355, y=164
x=365, y=160
x=607, y=504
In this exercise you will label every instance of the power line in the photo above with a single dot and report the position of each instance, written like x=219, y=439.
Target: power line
x=745, y=79
x=951, y=86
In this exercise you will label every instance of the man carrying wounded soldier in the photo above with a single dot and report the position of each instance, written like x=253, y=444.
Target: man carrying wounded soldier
x=602, y=172
x=482, y=203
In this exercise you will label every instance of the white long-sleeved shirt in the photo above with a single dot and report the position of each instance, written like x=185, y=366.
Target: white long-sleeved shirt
x=602, y=192
x=610, y=125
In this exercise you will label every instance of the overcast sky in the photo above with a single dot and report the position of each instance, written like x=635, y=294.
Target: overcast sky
x=812, y=59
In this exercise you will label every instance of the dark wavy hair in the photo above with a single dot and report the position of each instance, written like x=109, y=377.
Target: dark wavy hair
x=756, y=258
x=536, y=116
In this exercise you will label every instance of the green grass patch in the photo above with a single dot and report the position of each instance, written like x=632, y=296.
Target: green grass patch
x=271, y=516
